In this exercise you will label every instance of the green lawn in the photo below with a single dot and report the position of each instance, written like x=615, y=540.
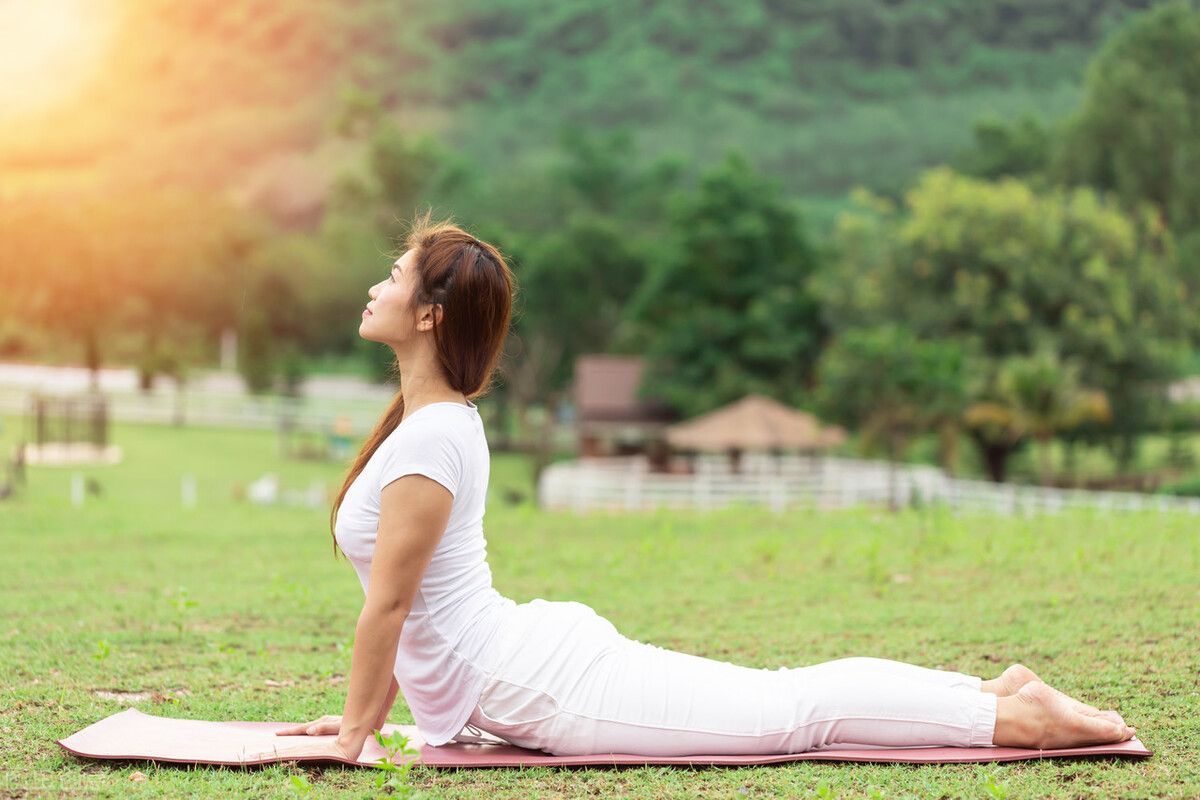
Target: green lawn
x=1103, y=607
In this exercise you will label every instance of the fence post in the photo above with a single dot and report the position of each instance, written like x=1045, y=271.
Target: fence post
x=776, y=493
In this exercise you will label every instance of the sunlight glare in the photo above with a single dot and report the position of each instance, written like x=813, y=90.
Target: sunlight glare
x=48, y=50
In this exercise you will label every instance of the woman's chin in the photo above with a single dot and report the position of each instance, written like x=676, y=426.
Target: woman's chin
x=370, y=337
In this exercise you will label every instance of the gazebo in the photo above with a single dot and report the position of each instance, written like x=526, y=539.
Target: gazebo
x=754, y=423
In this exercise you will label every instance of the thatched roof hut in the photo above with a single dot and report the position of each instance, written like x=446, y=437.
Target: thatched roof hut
x=754, y=423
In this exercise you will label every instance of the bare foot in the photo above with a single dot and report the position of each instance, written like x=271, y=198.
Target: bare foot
x=1039, y=716
x=1010, y=681
x=1016, y=676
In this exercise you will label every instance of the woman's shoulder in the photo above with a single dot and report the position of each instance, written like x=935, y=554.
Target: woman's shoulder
x=432, y=424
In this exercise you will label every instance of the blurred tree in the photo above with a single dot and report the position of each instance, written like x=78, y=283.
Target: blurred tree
x=891, y=386
x=1038, y=395
x=999, y=149
x=352, y=255
x=112, y=266
x=600, y=172
x=292, y=369
x=1005, y=270
x=380, y=361
x=256, y=356
x=577, y=275
x=77, y=275
x=406, y=169
x=728, y=311
x=186, y=254
x=273, y=329
x=574, y=283
x=1137, y=130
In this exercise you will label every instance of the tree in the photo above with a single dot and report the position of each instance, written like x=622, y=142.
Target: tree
x=573, y=286
x=577, y=274
x=598, y=171
x=122, y=272
x=729, y=311
x=272, y=330
x=1005, y=270
x=1000, y=149
x=891, y=386
x=186, y=252
x=83, y=270
x=1137, y=131
x=1039, y=396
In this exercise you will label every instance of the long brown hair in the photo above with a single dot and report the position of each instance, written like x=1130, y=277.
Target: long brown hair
x=475, y=287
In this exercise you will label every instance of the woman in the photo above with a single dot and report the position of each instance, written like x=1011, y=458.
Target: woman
x=554, y=675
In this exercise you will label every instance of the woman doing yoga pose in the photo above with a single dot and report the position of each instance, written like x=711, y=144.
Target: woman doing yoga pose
x=555, y=675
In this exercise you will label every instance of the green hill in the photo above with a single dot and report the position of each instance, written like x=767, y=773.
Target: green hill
x=825, y=94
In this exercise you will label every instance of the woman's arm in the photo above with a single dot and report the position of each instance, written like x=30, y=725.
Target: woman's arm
x=414, y=511
x=388, y=702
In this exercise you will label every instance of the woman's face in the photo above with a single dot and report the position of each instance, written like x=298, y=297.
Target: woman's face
x=388, y=317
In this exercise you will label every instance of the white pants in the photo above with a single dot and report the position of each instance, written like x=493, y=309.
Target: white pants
x=569, y=684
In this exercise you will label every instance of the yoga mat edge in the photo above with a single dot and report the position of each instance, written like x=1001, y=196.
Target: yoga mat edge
x=83, y=744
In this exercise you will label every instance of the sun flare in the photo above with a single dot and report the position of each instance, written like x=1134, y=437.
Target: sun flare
x=48, y=50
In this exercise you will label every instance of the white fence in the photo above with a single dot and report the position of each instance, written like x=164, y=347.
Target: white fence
x=223, y=409
x=780, y=483
x=211, y=397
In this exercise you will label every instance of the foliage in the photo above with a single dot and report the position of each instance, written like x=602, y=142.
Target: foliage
x=393, y=779
x=1186, y=488
x=1000, y=149
x=575, y=285
x=891, y=385
x=1038, y=395
x=1137, y=131
x=89, y=266
x=256, y=358
x=397, y=171
x=584, y=144
x=1006, y=271
x=380, y=361
x=730, y=307
x=890, y=382
x=828, y=92
x=292, y=369
x=576, y=276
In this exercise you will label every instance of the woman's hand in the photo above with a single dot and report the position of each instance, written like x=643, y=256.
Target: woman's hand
x=325, y=726
x=328, y=749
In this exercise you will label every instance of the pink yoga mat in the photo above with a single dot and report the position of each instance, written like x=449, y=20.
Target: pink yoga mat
x=131, y=734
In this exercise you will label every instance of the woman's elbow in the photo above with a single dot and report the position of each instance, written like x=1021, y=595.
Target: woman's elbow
x=384, y=611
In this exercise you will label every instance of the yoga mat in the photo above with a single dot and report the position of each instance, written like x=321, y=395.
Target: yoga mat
x=133, y=735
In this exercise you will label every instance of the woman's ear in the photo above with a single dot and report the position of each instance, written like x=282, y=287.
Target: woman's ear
x=436, y=313
x=431, y=313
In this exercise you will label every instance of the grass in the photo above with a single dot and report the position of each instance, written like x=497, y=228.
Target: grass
x=232, y=611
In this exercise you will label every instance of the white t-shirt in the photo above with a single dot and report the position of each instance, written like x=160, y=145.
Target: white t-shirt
x=443, y=659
